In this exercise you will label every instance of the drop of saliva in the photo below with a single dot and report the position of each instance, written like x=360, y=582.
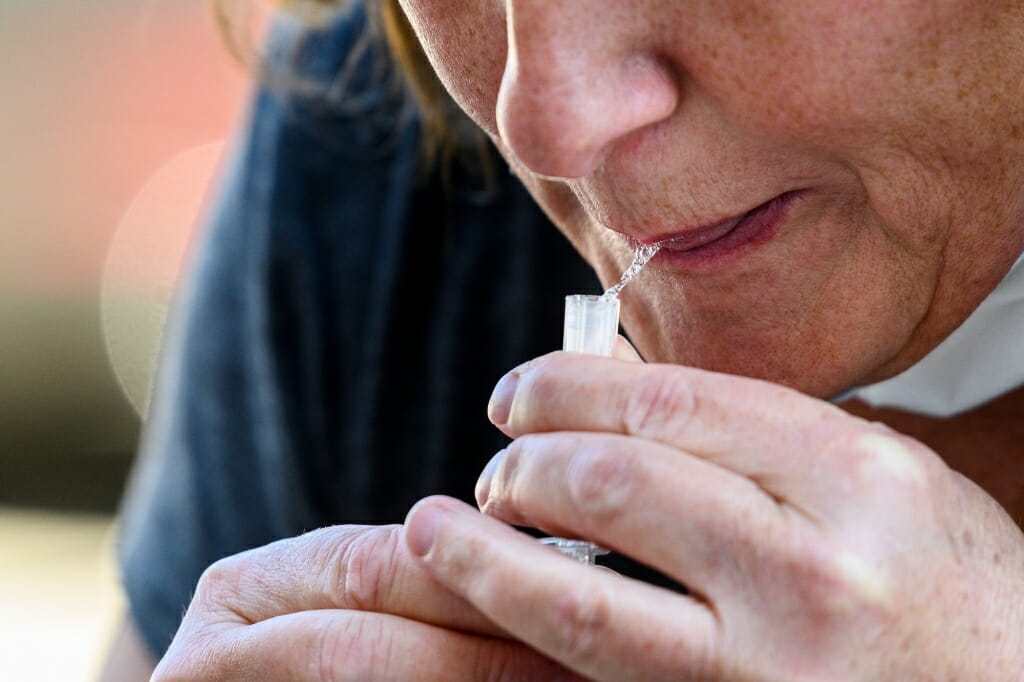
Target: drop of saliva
x=644, y=253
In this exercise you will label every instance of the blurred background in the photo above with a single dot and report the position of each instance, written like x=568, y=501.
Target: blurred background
x=113, y=115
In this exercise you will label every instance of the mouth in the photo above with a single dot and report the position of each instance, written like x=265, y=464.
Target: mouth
x=729, y=237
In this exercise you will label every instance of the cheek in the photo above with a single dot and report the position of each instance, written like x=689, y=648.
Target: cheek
x=796, y=73
x=848, y=76
x=465, y=41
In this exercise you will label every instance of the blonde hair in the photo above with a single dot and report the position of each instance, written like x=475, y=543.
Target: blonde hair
x=444, y=126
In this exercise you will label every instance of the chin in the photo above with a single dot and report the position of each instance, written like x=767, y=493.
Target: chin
x=819, y=367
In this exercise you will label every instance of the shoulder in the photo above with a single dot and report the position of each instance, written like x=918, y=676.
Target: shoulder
x=330, y=142
x=334, y=82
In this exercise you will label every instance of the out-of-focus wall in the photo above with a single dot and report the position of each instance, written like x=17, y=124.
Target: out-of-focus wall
x=110, y=111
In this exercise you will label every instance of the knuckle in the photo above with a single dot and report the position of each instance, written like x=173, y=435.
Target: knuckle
x=505, y=661
x=842, y=583
x=539, y=387
x=362, y=565
x=602, y=480
x=508, y=477
x=495, y=662
x=664, y=402
x=582, y=621
x=199, y=658
x=891, y=462
x=243, y=586
x=514, y=479
x=351, y=648
x=221, y=584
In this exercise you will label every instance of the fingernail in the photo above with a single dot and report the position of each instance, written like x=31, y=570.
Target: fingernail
x=421, y=529
x=483, y=484
x=500, y=405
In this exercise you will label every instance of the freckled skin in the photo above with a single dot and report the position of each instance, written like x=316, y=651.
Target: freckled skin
x=902, y=120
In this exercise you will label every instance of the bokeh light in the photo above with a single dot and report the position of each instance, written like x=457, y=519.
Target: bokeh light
x=111, y=117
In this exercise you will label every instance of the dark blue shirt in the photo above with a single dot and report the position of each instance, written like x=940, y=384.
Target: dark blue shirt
x=345, y=318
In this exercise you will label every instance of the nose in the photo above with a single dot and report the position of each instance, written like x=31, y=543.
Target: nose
x=579, y=76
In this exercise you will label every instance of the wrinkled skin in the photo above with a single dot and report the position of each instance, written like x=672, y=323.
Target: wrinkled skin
x=817, y=545
x=904, y=123
x=342, y=603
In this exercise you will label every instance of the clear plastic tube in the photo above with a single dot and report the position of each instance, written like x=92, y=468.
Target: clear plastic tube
x=592, y=326
x=580, y=550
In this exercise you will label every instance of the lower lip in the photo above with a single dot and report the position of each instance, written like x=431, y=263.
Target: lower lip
x=757, y=227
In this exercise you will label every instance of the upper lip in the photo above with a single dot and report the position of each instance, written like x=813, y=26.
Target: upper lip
x=694, y=237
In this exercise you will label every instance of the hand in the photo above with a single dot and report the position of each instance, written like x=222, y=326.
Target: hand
x=817, y=546
x=344, y=603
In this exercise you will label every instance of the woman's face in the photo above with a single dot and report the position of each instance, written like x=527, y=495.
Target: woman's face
x=875, y=150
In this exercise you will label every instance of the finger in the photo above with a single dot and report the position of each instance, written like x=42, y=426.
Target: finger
x=675, y=513
x=759, y=430
x=601, y=625
x=351, y=645
x=624, y=350
x=363, y=568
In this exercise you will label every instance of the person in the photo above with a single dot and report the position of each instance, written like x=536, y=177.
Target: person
x=839, y=191
x=345, y=315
